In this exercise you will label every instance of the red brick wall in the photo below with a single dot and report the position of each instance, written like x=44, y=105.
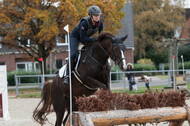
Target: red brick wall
x=185, y=31
x=62, y=56
x=129, y=56
x=10, y=60
x=56, y=56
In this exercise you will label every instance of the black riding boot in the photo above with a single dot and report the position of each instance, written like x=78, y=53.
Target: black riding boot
x=66, y=78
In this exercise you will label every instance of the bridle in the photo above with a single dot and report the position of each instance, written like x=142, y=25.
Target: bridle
x=113, y=56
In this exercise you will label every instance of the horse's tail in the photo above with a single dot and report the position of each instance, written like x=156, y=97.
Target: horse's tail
x=39, y=115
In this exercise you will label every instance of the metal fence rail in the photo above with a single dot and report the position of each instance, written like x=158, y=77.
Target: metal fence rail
x=37, y=82
x=120, y=79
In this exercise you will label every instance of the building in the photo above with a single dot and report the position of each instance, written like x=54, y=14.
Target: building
x=128, y=29
x=14, y=61
x=186, y=29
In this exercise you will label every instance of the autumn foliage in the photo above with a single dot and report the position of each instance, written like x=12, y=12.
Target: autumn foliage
x=153, y=21
x=32, y=26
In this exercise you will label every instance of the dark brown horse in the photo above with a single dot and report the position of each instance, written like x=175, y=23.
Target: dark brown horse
x=93, y=70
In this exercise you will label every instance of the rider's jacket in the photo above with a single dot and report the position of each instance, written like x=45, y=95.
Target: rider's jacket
x=85, y=29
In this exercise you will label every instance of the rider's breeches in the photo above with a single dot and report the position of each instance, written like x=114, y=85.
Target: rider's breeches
x=74, y=43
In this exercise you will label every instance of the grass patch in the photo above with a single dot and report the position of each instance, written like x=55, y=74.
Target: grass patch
x=141, y=90
x=26, y=93
x=32, y=95
x=162, y=76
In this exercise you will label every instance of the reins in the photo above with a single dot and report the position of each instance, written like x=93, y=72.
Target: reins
x=90, y=55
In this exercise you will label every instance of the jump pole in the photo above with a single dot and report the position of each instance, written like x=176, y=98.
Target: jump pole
x=4, y=112
x=174, y=85
x=66, y=28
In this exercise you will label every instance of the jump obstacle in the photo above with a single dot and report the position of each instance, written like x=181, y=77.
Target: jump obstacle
x=176, y=116
x=152, y=107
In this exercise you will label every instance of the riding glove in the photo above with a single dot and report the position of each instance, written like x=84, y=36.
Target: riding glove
x=94, y=39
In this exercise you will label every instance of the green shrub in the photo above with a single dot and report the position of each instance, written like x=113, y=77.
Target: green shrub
x=145, y=61
x=186, y=65
x=11, y=79
x=115, y=76
x=144, y=67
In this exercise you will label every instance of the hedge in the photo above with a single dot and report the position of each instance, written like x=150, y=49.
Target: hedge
x=144, y=67
x=11, y=79
x=186, y=65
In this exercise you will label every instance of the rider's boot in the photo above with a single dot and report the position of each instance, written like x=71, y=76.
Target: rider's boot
x=66, y=78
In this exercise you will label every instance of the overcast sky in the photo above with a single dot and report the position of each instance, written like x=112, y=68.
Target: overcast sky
x=187, y=3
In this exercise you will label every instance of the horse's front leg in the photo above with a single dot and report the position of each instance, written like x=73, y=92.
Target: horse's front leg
x=95, y=83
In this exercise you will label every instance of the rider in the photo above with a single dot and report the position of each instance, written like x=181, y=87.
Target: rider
x=87, y=27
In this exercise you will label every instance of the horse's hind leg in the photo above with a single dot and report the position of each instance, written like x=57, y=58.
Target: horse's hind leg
x=59, y=117
x=66, y=117
x=59, y=108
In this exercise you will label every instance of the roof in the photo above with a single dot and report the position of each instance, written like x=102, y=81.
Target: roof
x=5, y=50
x=185, y=31
x=187, y=13
x=127, y=28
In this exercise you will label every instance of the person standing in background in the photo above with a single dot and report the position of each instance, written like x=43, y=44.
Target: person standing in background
x=146, y=79
x=129, y=75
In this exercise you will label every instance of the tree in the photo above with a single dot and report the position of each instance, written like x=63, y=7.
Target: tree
x=185, y=51
x=41, y=21
x=154, y=20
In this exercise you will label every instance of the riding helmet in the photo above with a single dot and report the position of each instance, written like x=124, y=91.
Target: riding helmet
x=94, y=10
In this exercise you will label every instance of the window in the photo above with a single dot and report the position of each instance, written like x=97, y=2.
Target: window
x=2, y=63
x=36, y=66
x=21, y=66
x=27, y=66
x=24, y=42
x=59, y=41
x=59, y=63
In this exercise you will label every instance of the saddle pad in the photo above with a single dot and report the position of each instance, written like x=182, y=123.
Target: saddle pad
x=62, y=71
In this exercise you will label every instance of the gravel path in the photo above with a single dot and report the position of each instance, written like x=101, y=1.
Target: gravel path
x=21, y=109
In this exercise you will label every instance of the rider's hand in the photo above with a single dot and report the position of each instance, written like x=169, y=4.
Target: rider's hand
x=94, y=39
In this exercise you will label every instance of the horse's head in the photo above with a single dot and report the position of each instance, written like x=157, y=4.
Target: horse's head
x=117, y=51
x=114, y=48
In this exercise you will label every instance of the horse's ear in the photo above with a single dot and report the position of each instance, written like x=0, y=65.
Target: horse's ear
x=113, y=39
x=123, y=38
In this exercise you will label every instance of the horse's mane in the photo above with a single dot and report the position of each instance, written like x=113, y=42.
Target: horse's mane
x=104, y=35
x=101, y=37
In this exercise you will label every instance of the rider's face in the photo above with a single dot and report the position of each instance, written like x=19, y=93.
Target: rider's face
x=96, y=18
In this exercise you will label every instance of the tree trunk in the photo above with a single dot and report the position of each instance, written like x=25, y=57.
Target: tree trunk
x=175, y=116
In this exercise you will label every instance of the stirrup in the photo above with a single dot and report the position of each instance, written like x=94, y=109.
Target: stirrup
x=66, y=80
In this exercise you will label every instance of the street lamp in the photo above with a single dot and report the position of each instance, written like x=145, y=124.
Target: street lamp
x=182, y=61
